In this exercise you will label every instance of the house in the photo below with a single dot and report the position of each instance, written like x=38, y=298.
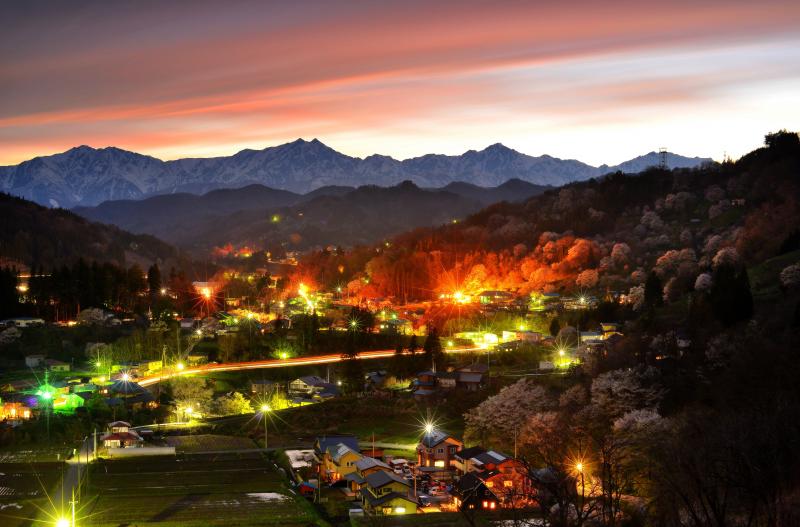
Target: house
x=34, y=361
x=306, y=386
x=509, y=482
x=386, y=493
x=462, y=461
x=364, y=467
x=590, y=336
x=470, y=492
x=488, y=460
x=14, y=411
x=521, y=336
x=322, y=443
x=495, y=297
x=338, y=461
x=265, y=388
x=436, y=453
x=470, y=381
x=132, y=394
x=57, y=365
x=447, y=381
x=375, y=380
x=473, y=376
x=609, y=329
x=23, y=322
x=121, y=435
x=425, y=384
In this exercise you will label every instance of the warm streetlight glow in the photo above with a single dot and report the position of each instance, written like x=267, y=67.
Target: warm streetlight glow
x=163, y=290
x=449, y=343
x=284, y=355
x=458, y=295
x=63, y=522
x=199, y=332
x=98, y=364
x=206, y=292
x=521, y=327
x=353, y=324
x=250, y=316
x=126, y=377
x=561, y=352
x=265, y=408
x=428, y=428
x=579, y=466
x=180, y=366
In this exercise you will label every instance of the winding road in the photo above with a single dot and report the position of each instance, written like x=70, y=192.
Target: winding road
x=278, y=363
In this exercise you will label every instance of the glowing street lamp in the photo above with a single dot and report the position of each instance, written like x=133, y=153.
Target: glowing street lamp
x=126, y=377
x=63, y=522
x=429, y=428
x=180, y=366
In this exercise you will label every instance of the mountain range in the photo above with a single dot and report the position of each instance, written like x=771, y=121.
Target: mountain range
x=88, y=176
x=263, y=217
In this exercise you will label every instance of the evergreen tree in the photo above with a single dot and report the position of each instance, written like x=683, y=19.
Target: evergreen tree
x=731, y=299
x=413, y=345
x=653, y=291
x=433, y=348
x=154, y=280
x=555, y=327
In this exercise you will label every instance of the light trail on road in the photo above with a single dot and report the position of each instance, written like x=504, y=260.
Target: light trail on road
x=280, y=363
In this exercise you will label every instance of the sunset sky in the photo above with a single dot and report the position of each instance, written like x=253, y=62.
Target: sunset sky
x=592, y=80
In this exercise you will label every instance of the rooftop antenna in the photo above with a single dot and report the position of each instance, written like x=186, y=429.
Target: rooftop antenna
x=662, y=158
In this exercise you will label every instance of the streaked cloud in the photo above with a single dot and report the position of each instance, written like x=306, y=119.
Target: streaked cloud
x=596, y=81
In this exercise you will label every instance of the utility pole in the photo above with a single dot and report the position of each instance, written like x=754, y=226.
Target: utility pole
x=72, y=507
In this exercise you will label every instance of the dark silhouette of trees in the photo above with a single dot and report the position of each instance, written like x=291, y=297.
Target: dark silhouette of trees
x=731, y=299
x=653, y=291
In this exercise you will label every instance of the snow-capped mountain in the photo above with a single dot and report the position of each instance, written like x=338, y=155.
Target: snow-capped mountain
x=88, y=176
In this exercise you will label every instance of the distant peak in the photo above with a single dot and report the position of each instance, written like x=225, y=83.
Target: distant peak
x=498, y=147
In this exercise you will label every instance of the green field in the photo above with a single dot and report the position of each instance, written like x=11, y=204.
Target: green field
x=192, y=490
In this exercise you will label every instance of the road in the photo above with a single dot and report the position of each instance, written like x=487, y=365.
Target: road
x=74, y=469
x=278, y=363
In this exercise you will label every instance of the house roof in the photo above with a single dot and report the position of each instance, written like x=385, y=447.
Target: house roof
x=126, y=387
x=471, y=377
x=355, y=478
x=311, y=380
x=490, y=457
x=475, y=367
x=380, y=478
x=469, y=453
x=375, y=502
x=340, y=450
x=122, y=436
x=366, y=463
x=117, y=424
x=470, y=485
x=434, y=438
x=324, y=442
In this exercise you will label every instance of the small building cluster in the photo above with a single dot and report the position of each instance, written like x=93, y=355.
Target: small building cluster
x=445, y=476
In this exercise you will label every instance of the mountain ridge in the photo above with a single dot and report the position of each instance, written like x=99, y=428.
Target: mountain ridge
x=84, y=175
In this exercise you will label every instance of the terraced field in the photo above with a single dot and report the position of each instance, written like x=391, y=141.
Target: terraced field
x=193, y=491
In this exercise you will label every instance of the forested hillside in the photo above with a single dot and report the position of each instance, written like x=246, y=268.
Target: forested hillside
x=602, y=234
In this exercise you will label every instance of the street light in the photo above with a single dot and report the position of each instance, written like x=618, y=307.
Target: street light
x=63, y=522
x=180, y=366
x=264, y=409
